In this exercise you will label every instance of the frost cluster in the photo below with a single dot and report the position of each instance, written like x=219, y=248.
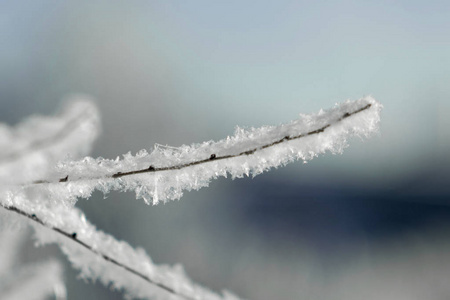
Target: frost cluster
x=168, y=171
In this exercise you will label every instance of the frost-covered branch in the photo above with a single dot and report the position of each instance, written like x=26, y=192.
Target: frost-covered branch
x=41, y=142
x=73, y=236
x=29, y=151
x=44, y=196
x=164, y=173
x=101, y=256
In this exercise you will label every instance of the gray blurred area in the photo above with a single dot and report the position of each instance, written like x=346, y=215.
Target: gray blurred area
x=369, y=224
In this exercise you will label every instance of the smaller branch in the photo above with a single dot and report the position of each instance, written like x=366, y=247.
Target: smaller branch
x=73, y=236
x=214, y=157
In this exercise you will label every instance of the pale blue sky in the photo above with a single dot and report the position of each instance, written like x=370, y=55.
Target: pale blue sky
x=220, y=64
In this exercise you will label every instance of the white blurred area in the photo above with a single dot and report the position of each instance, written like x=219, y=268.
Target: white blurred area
x=173, y=72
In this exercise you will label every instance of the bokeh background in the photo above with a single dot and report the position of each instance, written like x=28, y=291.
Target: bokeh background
x=372, y=223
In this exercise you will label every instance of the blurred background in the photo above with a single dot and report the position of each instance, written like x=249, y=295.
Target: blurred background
x=372, y=223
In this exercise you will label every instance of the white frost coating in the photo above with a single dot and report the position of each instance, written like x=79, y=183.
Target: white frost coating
x=94, y=266
x=116, y=263
x=28, y=153
x=29, y=150
x=89, y=174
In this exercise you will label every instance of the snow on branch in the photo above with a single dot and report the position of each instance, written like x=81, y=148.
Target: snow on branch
x=40, y=142
x=100, y=256
x=166, y=172
x=29, y=151
x=45, y=197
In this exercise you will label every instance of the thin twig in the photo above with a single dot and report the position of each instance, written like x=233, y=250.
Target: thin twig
x=152, y=169
x=73, y=236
